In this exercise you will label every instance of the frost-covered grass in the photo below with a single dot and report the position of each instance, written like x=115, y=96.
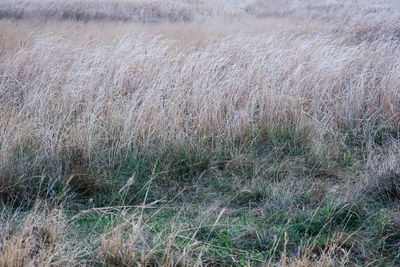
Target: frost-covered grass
x=200, y=133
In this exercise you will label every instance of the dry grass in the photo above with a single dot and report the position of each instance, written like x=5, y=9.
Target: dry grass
x=35, y=239
x=123, y=10
x=42, y=238
x=146, y=89
x=310, y=87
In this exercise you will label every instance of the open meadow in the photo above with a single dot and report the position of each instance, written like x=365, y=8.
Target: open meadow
x=199, y=133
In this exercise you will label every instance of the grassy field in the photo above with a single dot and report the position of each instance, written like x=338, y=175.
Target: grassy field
x=199, y=133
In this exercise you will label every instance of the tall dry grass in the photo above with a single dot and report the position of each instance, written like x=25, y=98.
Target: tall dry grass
x=59, y=95
x=82, y=82
x=123, y=10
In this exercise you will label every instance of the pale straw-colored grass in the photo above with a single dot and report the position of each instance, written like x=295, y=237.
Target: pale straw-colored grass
x=134, y=91
x=82, y=82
